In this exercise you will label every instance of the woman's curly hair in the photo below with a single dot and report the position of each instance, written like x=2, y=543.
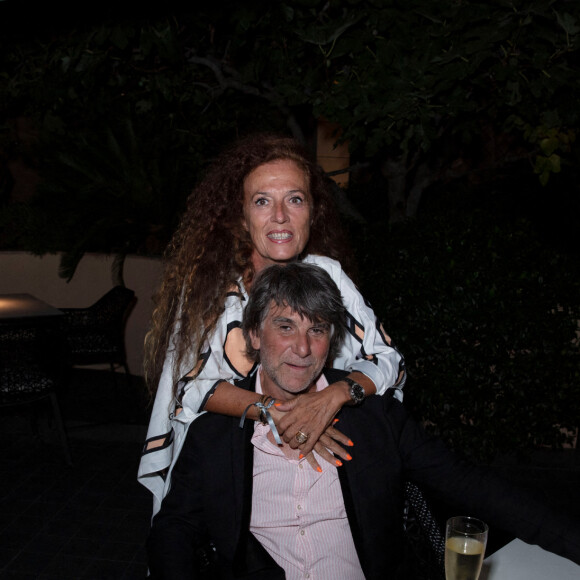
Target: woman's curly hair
x=211, y=250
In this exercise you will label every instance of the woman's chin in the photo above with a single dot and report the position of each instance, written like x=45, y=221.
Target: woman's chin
x=279, y=258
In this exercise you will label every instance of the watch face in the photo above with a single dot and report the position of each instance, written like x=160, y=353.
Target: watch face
x=357, y=393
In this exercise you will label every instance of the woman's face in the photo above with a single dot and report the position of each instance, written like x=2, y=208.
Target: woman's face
x=277, y=212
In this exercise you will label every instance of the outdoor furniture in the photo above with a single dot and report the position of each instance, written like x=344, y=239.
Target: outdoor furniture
x=22, y=308
x=32, y=357
x=97, y=334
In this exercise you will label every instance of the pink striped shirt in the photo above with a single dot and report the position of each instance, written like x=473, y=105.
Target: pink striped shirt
x=298, y=514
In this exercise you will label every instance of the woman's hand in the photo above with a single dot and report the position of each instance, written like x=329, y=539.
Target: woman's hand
x=310, y=413
x=330, y=445
x=327, y=444
x=313, y=414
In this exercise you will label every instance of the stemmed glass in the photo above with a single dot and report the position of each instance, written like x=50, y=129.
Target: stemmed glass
x=465, y=541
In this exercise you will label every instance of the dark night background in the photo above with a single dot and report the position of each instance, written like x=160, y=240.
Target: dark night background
x=463, y=201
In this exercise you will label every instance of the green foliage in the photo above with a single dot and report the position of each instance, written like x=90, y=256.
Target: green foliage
x=399, y=77
x=488, y=321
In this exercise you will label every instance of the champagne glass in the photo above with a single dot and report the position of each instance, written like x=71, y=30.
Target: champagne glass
x=465, y=540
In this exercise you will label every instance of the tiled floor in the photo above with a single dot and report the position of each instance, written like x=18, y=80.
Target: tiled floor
x=88, y=521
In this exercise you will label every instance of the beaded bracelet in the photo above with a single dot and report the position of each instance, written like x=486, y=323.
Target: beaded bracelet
x=265, y=417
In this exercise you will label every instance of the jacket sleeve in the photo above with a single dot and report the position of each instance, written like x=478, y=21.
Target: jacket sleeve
x=480, y=492
x=367, y=348
x=178, y=530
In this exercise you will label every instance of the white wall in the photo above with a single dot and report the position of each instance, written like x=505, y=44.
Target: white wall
x=24, y=273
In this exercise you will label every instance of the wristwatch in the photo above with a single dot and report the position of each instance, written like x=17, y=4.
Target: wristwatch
x=357, y=393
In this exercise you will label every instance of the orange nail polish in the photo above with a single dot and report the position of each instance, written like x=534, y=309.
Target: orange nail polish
x=338, y=463
x=335, y=422
x=277, y=404
x=319, y=469
x=301, y=456
x=348, y=457
x=350, y=443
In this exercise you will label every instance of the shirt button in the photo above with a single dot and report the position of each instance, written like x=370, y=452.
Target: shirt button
x=306, y=575
x=300, y=465
x=302, y=532
x=299, y=507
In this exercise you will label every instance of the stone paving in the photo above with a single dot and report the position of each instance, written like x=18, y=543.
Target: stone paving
x=88, y=521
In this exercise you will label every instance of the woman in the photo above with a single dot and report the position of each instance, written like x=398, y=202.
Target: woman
x=263, y=202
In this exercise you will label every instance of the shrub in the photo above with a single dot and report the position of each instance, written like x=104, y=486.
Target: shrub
x=487, y=318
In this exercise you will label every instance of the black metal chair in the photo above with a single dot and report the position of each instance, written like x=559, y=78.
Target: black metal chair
x=97, y=334
x=32, y=367
x=425, y=535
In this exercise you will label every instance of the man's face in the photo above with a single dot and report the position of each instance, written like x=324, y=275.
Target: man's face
x=293, y=351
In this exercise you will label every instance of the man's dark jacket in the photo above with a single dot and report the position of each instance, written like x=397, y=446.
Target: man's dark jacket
x=211, y=495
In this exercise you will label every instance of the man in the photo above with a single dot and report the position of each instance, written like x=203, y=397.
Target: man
x=269, y=515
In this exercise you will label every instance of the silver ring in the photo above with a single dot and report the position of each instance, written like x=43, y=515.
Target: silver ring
x=301, y=437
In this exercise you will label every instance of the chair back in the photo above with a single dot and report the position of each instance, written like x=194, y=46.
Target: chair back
x=425, y=535
x=96, y=334
x=113, y=307
x=32, y=361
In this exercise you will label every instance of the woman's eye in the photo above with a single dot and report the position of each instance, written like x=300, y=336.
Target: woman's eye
x=296, y=200
x=261, y=201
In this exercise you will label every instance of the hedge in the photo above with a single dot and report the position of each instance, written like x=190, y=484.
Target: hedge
x=487, y=318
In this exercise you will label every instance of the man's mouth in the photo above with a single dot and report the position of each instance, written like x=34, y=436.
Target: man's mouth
x=298, y=367
x=279, y=236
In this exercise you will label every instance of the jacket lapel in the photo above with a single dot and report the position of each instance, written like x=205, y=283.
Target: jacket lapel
x=251, y=560
x=347, y=478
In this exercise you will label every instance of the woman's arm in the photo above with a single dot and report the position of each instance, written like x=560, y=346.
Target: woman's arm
x=367, y=349
x=228, y=399
x=367, y=353
x=313, y=413
x=223, y=359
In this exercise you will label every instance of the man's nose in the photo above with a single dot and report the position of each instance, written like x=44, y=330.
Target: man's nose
x=302, y=345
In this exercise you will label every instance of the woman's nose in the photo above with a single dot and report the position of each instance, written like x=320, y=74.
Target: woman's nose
x=280, y=215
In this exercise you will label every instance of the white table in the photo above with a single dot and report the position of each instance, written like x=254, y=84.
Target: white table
x=520, y=561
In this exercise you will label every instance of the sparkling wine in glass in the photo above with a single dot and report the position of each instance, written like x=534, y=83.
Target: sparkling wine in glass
x=465, y=540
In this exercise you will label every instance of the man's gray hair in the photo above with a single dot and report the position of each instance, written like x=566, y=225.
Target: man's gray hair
x=307, y=289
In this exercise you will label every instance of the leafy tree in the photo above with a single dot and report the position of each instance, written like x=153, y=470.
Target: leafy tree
x=125, y=125
x=425, y=92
